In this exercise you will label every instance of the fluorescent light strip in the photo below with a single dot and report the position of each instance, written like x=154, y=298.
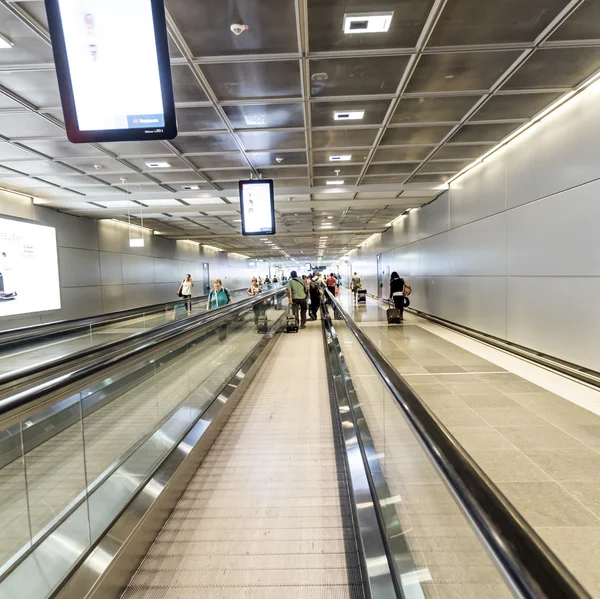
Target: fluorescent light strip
x=132, y=225
x=211, y=247
x=240, y=255
x=542, y=115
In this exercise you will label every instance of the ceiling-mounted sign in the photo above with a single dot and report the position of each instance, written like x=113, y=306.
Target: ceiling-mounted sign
x=257, y=205
x=113, y=69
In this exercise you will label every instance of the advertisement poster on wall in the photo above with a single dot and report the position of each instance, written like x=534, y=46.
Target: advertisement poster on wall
x=28, y=268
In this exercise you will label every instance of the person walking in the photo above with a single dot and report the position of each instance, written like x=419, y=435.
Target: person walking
x=356, y=284
x=219, y=296
x=186, y=292
x=253, y=291
x=315, y=297
x=296, y=290
x=397, y=285
x=331, y=282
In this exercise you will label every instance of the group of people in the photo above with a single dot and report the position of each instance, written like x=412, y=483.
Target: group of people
x=218, y=296
x=309, y=287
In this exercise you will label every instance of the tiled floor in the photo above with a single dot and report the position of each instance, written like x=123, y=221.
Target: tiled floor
x=542, y=450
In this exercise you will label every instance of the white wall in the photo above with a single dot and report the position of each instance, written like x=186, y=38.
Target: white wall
x=513, y=248
x=99, y=272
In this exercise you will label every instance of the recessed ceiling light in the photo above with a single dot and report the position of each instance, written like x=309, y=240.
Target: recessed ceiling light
x=255, y=118
x=334, y=182
x=348, y=115
x=190, y=187
x=5, y=43
x=340, y=158
x=367, y=22
x=330, y=217
x=158, y=165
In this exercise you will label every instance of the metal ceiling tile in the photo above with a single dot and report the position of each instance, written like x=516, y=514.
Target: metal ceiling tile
x=564, y=67
x=185, y=86
x=369, y=180
x=28, y=47
x=132, y=178
x=273, y=140
x=138, y=148
x=460, y=71
x=10, y=152
x=392, y=169
x=374, y=195
x=342, y=138
x=234, y=81
x=38, y=87
x=28, y=125
x=228, y=175
x=415, y=135
x=178, y=176
x=433, y=109
x=444, y=166
x=514, y=106
x=460, y=152
x=329, y=171
x=322, y=113
x=63, y=149
x=326, y=24
x=473, y=22
x=277, y=173
x=37, y=167
x=583, y=24
x=221, y=160
x=260, y=159
x=25, y=183
x=175, y=163
x=205, y=143
x=198, y=119
x=272, y=116
x=406, y=153
x=356, y=76
x=480, y=133
x=206, y=26
x=429, y=178
x=107, y=165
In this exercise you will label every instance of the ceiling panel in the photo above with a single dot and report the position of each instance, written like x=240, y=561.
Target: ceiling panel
x=280, y=79
x=277, y=173
x=481, y=133
x=205, y=143
x=64, y=149
x=322, y=158
x=255, y=116
x=340, y=138
x=185, y=86
x=273, y=140
x=329, y=171
x=178, y=176
x=415, y=135
x=260, y=159
x=461, y=71
x=219, y=160
x=11, y=152
x=433, y=109
x=514, y=106
x=322, y=113
x=370, y=179
x=444, y=166
x=205, y=26
x=28, y=125
x=356, y=76
x=28, y=47
x=565, y=67
x=38, y=87
x=393, y=169
x=583, y=24
x=406, y=153
x=461, y=152
x=198, y=119
x=473, y=22
x=326, y=24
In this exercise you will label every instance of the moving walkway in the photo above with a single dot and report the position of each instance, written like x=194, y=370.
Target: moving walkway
x=231, y=463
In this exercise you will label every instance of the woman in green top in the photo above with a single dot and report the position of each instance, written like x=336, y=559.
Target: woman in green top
x=219, y=296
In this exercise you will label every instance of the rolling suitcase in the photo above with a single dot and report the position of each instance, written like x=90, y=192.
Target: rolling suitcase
x=291, y=326
x=362, y=296
x=393, y=316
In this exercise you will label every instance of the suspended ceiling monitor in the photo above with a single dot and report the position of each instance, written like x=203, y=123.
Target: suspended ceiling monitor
x=257, y=205
x=113, y=68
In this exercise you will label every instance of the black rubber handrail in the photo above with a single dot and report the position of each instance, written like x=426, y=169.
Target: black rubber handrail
x=526, y=561
x=68, y=376
x=62, y=327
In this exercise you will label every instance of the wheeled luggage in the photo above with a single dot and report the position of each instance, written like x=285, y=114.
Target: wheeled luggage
x=262, y=325
x=291, y=325
x=362, y=296
x=394, y=316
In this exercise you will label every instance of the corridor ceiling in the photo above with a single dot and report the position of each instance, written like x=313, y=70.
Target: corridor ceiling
x=446, y=82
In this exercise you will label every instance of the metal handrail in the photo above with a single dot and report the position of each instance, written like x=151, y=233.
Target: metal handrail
x=61, y=327
x=67, y=377
x=528, y=564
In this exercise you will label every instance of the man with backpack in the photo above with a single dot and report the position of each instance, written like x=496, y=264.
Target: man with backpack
x=315, y=296
x=296, y=289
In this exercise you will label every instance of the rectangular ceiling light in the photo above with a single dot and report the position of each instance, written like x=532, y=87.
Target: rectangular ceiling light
x=348, y=115
x=5, y=42
x=255, y=119
x=341, y=158
x=367, y=22
x=190, y=187
x=136, y=243
x=158, y=165
x=334, y=182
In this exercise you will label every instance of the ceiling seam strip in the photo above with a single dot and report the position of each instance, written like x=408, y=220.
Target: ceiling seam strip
x=512, y=69
x=430, y=23
x=183, y=47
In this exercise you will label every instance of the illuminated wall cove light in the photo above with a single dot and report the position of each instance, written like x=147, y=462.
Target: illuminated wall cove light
x=367, y=22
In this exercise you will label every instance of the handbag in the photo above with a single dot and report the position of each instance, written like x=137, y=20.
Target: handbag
x=179, y=291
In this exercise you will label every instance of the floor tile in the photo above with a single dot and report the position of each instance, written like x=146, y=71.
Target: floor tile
x=516, y=416
x=568, y=464
x=588, y=494
x=508, y=466
x=588, y=434
x=479, y=437
x=538, y=437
